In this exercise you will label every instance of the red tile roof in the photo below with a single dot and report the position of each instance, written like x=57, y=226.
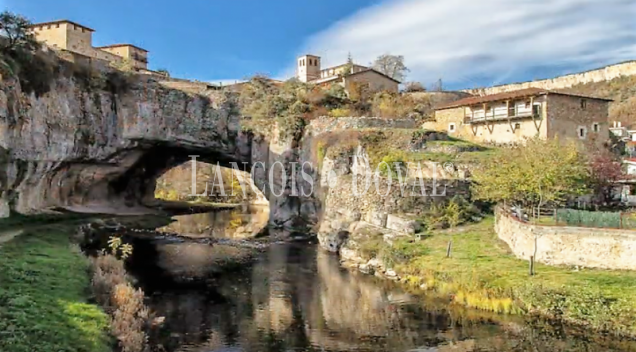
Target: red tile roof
x=515, y=94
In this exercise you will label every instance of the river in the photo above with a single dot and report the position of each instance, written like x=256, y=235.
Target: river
x=295, y=297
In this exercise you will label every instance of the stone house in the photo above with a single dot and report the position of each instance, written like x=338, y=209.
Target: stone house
x=512, y=117
x=308, y=70
x=76, y=38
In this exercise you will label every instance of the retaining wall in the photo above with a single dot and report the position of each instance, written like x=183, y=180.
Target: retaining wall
x=564, y=245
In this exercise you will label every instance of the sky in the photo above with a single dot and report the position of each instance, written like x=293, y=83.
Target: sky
x=465, y=43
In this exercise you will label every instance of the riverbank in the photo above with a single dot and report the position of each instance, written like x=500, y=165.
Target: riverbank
x=482, y=273
x=44, y=295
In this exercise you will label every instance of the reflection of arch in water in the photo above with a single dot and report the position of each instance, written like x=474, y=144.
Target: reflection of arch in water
x=244, y=222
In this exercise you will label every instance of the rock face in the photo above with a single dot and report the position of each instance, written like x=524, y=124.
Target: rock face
x=74, y=146
x=355, y=198
x=101, y=149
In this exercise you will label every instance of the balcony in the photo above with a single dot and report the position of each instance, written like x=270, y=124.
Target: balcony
x=512, y=113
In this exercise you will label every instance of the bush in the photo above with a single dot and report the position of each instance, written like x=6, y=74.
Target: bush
x=414, y=87
x=393, y=163
x=449, y=214
x=113, y=291
x=394, y=105
x=339, y=112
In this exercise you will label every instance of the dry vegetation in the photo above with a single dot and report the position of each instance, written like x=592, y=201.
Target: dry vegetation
x=293, y=104
x=394, y=145
x=113, y=291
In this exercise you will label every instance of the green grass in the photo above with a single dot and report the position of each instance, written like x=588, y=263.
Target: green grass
x=44, y=285
x=483, y=274
x=453, y=142
x=19, y=220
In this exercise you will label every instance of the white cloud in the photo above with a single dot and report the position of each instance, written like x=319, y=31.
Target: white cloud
x=463, y=41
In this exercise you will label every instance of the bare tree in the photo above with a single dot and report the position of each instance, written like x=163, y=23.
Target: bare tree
x=15, y=30
x=391, y=65
x=414, y=87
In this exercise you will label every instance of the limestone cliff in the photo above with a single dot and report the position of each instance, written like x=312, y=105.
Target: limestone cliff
x=101, y=136
x=96, y=141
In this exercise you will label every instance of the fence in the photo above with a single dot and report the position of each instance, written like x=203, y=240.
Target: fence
x=578, y=218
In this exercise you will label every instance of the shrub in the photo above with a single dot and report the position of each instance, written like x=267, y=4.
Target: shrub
x=393, y=163
x=339, y=112
x=414, y=87
x=130, y=317
x=394, y=105
x=113, y=291
x=448, y=214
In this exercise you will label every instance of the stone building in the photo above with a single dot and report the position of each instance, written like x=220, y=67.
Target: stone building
x=76, y=38
x=512, y=117
x=308, y=70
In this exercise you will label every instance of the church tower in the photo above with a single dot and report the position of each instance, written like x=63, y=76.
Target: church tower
x=308, y=68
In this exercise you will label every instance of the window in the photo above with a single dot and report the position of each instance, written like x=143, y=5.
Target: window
x=57, y=25
x=451, y=127
x=582, y=133
x=583, y=103
x=595, y=127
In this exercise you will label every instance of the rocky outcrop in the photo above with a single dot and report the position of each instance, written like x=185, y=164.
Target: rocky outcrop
x=357, y=198
x=99, y=146
x=79, y=146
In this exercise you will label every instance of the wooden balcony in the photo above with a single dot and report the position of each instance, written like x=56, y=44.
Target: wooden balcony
x=512, y=113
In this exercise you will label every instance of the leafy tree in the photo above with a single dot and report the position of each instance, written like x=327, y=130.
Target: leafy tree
x=17, y=36
x=391, y=65
x=605, y=170
x=539, y=173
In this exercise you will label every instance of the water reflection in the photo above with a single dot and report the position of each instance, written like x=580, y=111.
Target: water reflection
x=245, y=222
x=296, y=298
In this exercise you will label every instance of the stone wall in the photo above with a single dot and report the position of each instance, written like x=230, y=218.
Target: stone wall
x=330, y=124
x=376, y=82
x=566, y=115
x=602, y=74
x=563, y=245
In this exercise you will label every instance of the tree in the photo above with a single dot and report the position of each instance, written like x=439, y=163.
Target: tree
x=15, y=30
x=605, y=170
x=414, y=87
x=539, y=173
x=164, y=72
x=347, y=69
x=391, y=65
x=437, y=86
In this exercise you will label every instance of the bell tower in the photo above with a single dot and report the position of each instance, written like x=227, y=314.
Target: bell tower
x=308, y=68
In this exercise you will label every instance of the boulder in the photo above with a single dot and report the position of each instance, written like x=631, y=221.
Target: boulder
x=402, y=225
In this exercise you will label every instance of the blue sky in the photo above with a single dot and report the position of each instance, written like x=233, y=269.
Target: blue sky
x=467, y=43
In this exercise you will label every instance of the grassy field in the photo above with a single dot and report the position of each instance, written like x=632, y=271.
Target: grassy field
x=483, y=274
x=44, y=286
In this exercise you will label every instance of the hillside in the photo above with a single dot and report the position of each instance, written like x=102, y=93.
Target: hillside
x=622, y=90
